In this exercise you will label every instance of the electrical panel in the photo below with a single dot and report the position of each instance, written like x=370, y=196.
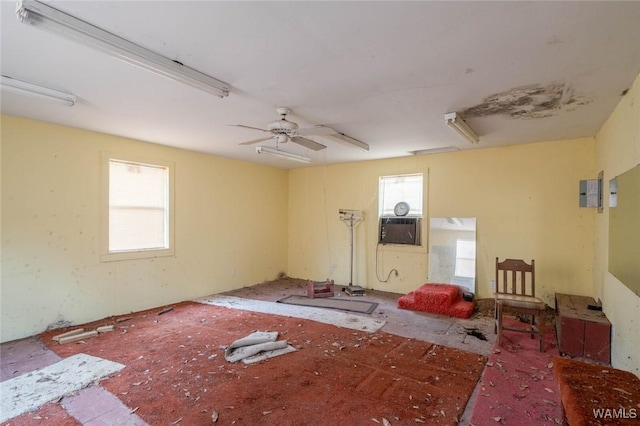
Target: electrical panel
x=400, y=230
x=591, y=193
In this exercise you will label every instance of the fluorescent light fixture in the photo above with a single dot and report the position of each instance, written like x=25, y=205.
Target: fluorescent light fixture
x=30, y=89
x=50, y=19
x=434, y=150
x=282, y=154
x=456, y=122
x=322, y=130
x=349, y=141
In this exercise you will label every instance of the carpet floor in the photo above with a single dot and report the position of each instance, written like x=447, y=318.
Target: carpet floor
x=176, y=373
x=594, y=395
x=518, y=386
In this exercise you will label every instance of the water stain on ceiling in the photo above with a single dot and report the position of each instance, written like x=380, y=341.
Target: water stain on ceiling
x=528, y=102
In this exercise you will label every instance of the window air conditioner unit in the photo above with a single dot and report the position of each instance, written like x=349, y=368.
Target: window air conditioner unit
x=400, y=230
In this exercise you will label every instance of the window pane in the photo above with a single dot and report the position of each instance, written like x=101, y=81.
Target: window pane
x=138, y=206
x=465, y=259
x=394, y=189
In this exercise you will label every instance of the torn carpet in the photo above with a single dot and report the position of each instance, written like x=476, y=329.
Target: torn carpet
x=176, y=371
x=257, y=346
x=32, y=390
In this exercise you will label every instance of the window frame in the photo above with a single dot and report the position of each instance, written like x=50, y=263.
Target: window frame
x=106, y=254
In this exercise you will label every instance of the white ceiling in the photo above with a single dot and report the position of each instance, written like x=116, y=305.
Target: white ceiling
x=382, y=72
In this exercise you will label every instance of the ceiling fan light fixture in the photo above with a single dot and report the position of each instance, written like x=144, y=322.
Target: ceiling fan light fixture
x=30, y=89
x=282, y=154
x=47, y=18
x=456, y=122
x=287, y=131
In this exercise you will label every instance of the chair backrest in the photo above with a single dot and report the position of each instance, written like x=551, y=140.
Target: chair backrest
x=511, y=277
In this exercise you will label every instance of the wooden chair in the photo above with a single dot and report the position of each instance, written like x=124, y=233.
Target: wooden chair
x=514, y=295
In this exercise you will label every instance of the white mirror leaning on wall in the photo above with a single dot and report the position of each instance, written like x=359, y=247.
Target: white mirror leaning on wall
x=452, y=251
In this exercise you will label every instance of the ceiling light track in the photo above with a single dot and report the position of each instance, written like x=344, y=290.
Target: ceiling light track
x=30, y=89
x=50, y=19
x=282, y=154
x=456, y=122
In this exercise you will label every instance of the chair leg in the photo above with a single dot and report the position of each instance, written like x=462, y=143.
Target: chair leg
x=541, y=326
x=532, y=331
x=499, y=323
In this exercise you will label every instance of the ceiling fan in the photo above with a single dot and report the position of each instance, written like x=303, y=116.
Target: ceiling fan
x=283, y=131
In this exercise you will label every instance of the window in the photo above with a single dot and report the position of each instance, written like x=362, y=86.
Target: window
x=407, y=188
x=404, y=225
x=138, y=209
x=465, y=259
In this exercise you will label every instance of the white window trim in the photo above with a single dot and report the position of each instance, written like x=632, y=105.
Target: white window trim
x=107, y=256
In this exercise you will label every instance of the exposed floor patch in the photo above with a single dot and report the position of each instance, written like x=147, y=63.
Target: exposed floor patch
x=22, y=356
x=95, y=405
x=339, y=319
x=528, y=102
x=32, y=390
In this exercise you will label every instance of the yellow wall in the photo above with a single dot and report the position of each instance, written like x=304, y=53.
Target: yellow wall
x=525, y=199
x=618, y=150
x=51, y=268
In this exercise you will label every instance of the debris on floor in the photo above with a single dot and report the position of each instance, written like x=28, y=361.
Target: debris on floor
x=518, y=386
x=76, y=337
x=67, y=334
x=475, y=333
x=80, y=334
x=165, y=310
x=28, y=392
x=171, y=355
x=257, y=346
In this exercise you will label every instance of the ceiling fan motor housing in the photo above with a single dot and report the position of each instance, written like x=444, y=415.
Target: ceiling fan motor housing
x=282, y=126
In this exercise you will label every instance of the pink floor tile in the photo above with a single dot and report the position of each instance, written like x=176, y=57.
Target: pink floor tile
x=94, y=406
x=23, y=356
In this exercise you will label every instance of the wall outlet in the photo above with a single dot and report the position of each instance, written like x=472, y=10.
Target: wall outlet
x=493, y=285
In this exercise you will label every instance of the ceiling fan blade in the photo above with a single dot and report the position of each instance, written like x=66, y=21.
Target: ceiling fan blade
x=249, y=127
x=255, y=140
x=307, y=143
x=318, y=130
